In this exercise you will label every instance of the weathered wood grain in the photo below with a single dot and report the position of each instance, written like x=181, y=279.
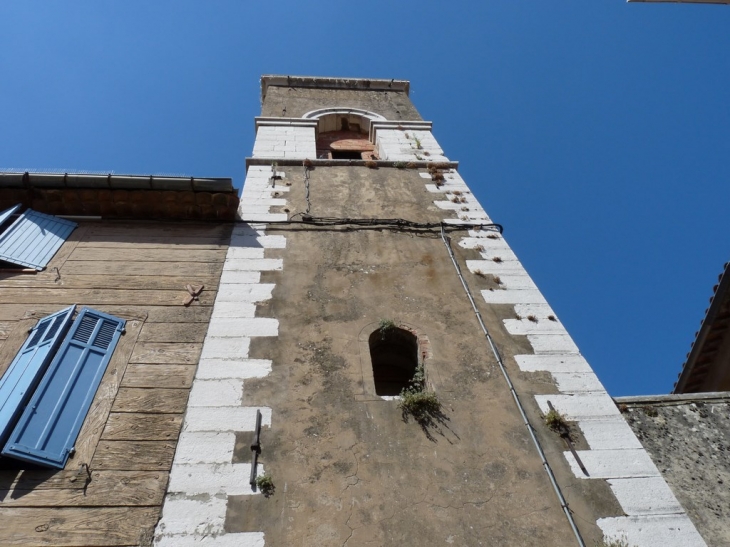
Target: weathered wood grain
x=154, y=314
x=134, y=455
x=60, y=258
x=165, y=242
x=5, y=329
x=15, y=339
x=143, y=230
x=96, y=418
x=106, y=488
x=147, y=255
x=151, y=400
x=166, y=354
x=76, y=526
x=171, y=376
x=123, y=426
x=94, y=297
x=173, y=332
x=131, y=282
x=177, y=269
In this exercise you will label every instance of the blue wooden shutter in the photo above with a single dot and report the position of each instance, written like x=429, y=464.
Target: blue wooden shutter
x=29, y=364
x=47, y=430
x=33, y=239
x=7, y=213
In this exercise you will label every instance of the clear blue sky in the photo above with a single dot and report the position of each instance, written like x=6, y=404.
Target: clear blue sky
x=596, y=132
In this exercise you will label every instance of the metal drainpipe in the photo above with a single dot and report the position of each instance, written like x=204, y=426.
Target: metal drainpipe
x=497, y=356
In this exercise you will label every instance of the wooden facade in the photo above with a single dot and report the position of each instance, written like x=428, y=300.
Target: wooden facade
x=110, y=493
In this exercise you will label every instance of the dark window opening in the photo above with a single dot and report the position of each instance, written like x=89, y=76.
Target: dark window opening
x=394, y=354
x=346, y=155
x=344, y=124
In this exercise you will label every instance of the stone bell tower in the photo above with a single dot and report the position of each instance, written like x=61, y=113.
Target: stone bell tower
x=401, y=359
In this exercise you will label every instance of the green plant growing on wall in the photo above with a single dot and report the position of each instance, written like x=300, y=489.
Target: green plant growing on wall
x=418, y=142
x=265, y=484
x=385, y=326
x=416, y=400
x=555, y=421
x=399, y=165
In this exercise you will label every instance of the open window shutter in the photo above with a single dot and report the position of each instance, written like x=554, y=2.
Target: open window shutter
x=47, y=430
x=33, y=239
x=29, y=364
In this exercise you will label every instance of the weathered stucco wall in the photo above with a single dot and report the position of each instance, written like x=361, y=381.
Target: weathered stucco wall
x=394, y=105
x=688, y=437
x=345, y=463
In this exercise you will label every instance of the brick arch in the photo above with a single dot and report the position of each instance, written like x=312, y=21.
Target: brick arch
x=331, y=119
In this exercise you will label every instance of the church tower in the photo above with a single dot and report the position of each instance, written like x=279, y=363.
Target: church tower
x=412, y=385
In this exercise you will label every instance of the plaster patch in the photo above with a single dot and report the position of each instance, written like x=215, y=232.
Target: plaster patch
x=613, y=464
x=205, y=447
x=243, y=418
x=653, y=531
x=645, y=496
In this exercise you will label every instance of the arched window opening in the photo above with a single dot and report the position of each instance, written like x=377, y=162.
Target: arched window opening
x=394, y=355
x=345, y=144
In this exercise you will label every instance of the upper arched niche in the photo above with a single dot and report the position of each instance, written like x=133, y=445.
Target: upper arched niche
x=343, y=133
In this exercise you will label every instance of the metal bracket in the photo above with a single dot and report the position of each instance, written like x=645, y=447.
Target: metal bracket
x=255, y=449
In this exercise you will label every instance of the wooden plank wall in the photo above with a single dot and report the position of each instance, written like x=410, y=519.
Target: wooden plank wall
x=137, y=271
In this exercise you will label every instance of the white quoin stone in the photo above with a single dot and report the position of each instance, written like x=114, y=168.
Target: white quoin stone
x=193, y=517
x=210, y=479
x=586, y=406
x=566, y=363
x=653, y=531
x=210, y=369
x=225, y=418
x=609, y=433
x=218, y=392
x=613, y=464
x=247, y=539
x=205, y=447
x=225, y=348
x=645, y=496
x=233, y=327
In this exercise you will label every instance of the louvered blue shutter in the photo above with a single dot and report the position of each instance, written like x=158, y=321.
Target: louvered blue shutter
x=47, y=430
x=34, y=238
x=29, y=364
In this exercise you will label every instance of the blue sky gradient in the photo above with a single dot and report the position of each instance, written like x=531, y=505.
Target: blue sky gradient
x=595, y=132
